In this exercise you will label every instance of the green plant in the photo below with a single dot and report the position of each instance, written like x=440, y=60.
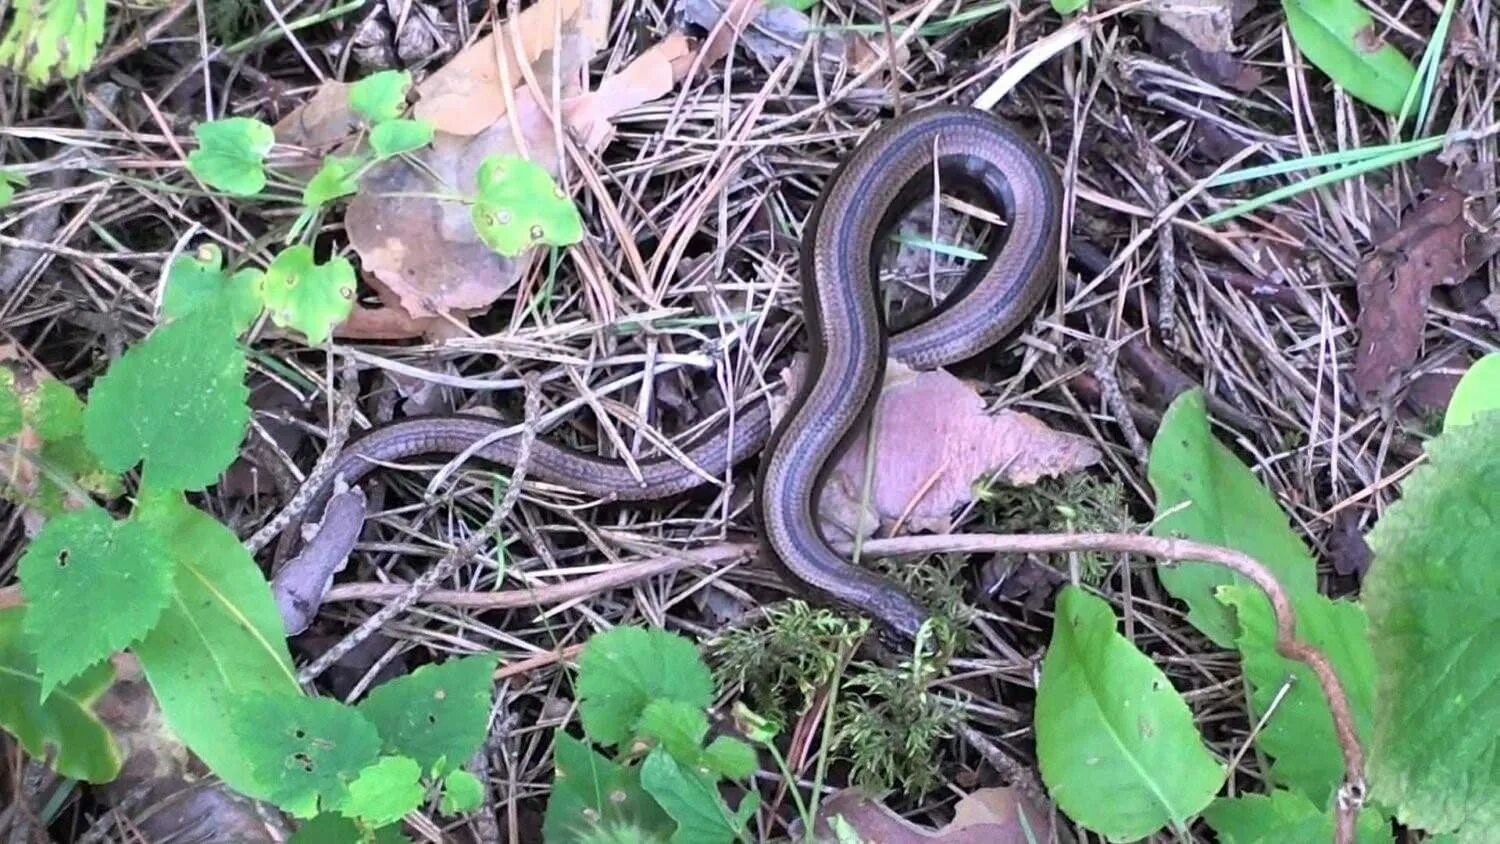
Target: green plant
x=10, y=181
x=52, y=37
x=643, y=693
x=890, y=726
x=782, y=663
x=1068, y=504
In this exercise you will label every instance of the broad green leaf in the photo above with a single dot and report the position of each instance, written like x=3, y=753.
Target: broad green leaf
x=231, y=154
x=307, y=296
x=339, y=176
x=9, y=181
x=384, y=792
x=1208, y=495
x=64, y=727
x=1282, y=817
x=176, y=400
x=799, y=5
x=620, y=833
x=58, y=413
x=328, y=828
x=620, y=671
x=462, y=792
x=435, y=713
x=1342, y=40
x=1430, y=594
x=198, y=280
x=305, y=750
x=10, y=406
x=678, y=727
x=52, y=36
x=1478, y=392
x=1068, y=7
x=731, y=757
x=219, y=640
x=518, y=206
x=395, y=137
x=589, y=790
x=1108, y=722
x=119, y=573
x=692, y=800
x=380, y=96
x=1299, y=734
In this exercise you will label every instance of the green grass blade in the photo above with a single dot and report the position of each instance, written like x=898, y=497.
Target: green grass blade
x=1326, y=159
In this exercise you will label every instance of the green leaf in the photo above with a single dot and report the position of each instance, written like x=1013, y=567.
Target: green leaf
x=48, y=36
x=1478, y=392
x=518, y=206
x=1068, y=7
x=435, y=713
x=220, y=639
x=59, y=413
x=1430, y=594
x=692, y=799
x=1108, y=722
x=395, y=137
x=306, y=750
x=119, y=572
x=731, y=757
x=384, y=792
x=328, y=828
x=64, y=727
x=231, y=154
x=1299, y=734
x=1340, y=38
x=176, y=400
x=198, y=281
x=1204, y=492
x=621, y=670
x=799, y=5
x=9, y=181
x=679, y=728
x=307, y=296
x=590, y=790
x=462, y=792
x=380, y=96
x=1283, y=816
x=619, y=834
x=10, y=406
x=339, y=176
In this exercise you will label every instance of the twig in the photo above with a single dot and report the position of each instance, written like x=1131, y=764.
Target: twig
x=465, y=551
x=1102, y=357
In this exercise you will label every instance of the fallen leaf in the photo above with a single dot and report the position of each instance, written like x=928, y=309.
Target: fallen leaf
x=1436, y=244
x=934, y=439
x=1206, y=24
x=777, y=33
x=467, y=95
x=986, y=816
x=1214, y=64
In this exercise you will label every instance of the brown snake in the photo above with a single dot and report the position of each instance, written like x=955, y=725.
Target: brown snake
x=841, y=245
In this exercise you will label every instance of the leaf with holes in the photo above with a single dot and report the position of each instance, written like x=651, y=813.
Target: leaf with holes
x=220, y=639
x=1204, y=492
x=380, y=96
x=590, y=790
x=462, y=792
x=63, y=728
x=176, y=400
x=395, y=137
x=231, y=154
x=339, y=176
x=307, y=296
x=198, y=280
x=436, y=714
x=518, y=206
x=622, y=670
x=384, y=792
x=305, y=750
x=1430, y=594
x=1343, y=41
x=692, y=800
x=1109, y=722
x=120, y=572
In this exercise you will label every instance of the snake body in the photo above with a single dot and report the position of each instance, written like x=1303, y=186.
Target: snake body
x=840, y=251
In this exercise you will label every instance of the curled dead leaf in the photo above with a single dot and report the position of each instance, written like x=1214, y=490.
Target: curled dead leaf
x=986, y=816
x=933, y=440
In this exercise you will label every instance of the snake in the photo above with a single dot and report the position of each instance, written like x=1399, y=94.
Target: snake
x=848, y=345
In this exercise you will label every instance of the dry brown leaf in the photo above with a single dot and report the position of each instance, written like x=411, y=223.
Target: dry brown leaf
x=775, y=34
x=986, y=816
x=1436, y=244
x=467, y=95
x=1206, y=24
x=934, y=439
x=321, y=124
x=650, y=75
